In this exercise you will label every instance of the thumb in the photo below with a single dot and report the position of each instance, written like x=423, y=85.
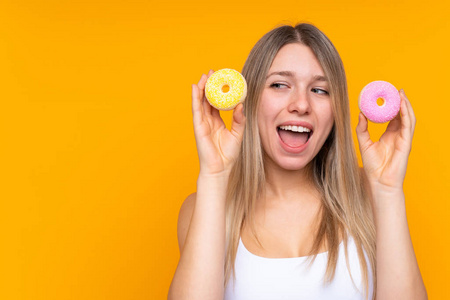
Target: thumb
x=238, y=124
x=362, y=133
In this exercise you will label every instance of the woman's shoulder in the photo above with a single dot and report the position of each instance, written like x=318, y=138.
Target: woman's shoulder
x=189, y=201
x=184, y=218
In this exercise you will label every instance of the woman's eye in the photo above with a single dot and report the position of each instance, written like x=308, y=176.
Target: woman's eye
x=322, y=91
x=277, y=85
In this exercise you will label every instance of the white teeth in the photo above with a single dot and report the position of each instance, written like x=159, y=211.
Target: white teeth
x=295, y=128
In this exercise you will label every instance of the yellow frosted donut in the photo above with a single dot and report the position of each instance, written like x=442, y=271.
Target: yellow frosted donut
x=225, y=89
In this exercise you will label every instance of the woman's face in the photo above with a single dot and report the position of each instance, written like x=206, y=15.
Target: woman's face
x=295, y=94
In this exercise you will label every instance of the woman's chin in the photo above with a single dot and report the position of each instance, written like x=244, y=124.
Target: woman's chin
x=292, y=164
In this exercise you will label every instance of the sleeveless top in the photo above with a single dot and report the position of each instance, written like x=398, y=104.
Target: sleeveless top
x=260, y=278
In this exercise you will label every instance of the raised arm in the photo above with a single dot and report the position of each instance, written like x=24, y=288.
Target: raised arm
x=385, y=162
x=201, y=224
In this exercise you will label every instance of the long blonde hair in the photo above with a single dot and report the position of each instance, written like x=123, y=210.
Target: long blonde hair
x=345, y=203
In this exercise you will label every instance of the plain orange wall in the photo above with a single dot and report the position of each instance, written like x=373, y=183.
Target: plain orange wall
x=97, y=147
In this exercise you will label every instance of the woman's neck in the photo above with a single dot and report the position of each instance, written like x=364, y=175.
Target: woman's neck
x=289, y=185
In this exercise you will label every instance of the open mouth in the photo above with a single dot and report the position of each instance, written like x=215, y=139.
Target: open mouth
x=294, y=136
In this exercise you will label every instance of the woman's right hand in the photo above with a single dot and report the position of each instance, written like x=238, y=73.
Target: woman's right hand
x=218, y=147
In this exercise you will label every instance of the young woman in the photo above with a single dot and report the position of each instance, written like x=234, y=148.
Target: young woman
x=280, y=214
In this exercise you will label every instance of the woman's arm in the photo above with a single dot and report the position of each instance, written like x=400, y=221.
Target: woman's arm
x=200, y=273
x=385, y=162
x=398, y=272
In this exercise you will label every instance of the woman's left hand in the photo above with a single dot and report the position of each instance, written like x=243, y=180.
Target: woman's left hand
x=385, y=161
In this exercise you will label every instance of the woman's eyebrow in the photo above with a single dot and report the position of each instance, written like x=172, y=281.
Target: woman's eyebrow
x=320, y=78
x=292, y=74
x=282, y=73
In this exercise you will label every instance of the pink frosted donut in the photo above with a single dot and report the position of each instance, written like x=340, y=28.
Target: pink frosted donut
x=368, y=101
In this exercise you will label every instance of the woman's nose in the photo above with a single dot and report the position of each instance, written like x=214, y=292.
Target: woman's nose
x=300, y=103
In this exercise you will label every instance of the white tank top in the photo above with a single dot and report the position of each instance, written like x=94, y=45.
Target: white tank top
x=260, y=278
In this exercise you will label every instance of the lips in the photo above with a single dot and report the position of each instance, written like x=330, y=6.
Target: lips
x=298, y=123
x=294, y=135
x=293, y=138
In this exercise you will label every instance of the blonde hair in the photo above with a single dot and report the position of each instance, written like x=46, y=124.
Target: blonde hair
x=345, y=203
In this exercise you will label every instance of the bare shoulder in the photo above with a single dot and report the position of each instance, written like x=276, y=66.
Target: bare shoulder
x=184, y=219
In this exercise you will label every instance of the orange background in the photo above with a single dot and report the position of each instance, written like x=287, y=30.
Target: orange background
x=97, y=146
